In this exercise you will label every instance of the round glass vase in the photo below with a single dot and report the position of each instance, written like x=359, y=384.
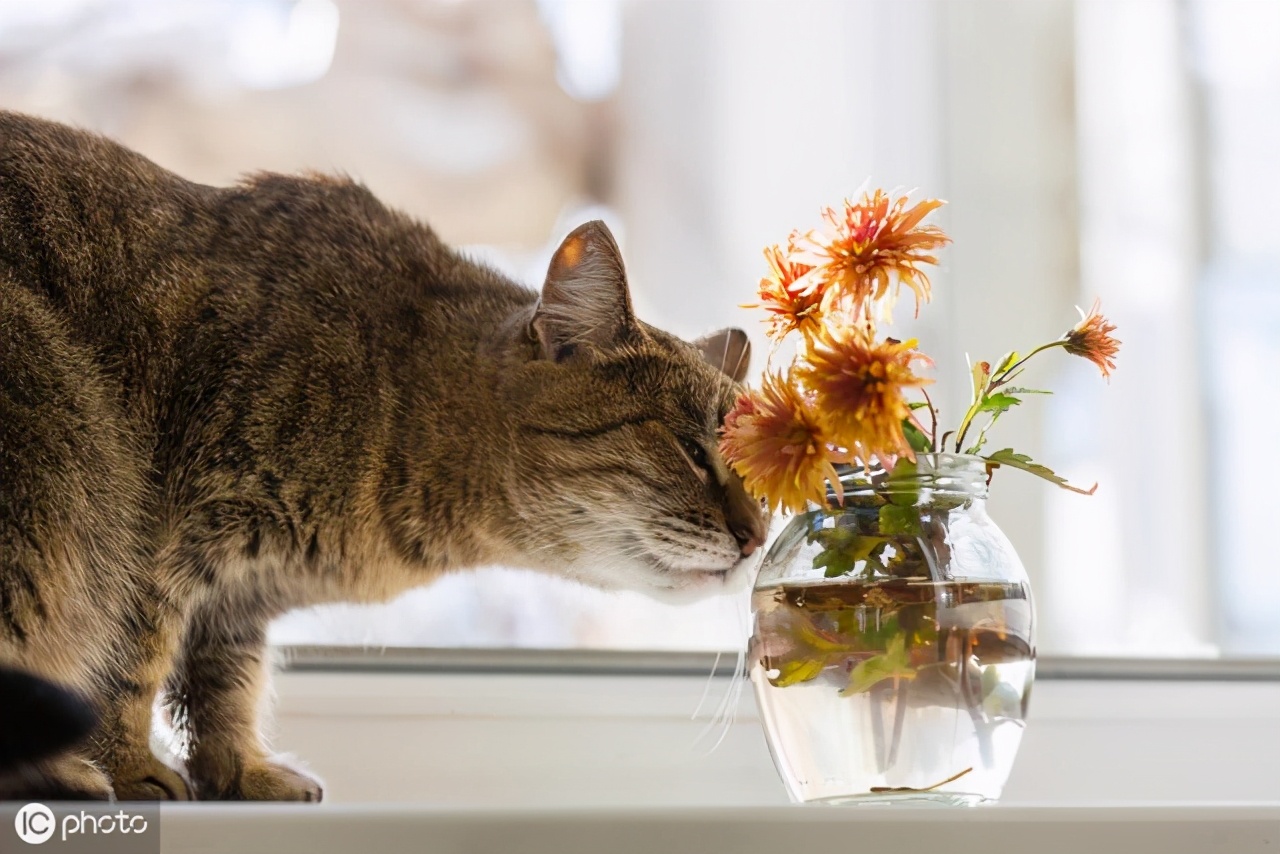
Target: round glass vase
x=893, y=647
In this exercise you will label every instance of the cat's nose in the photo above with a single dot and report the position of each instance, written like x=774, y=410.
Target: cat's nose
x=746, y=518
x=750, y=537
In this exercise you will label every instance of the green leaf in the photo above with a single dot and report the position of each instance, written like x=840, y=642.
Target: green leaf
x=867, y=635
x=916, y=437
x=893, y=663
x=797, y=670
x=837, y=562
x=843, y=549
x=997, y=403
x=833, y=538
x=1013, y=390
x=904, y=483
x=899, y=520
x=1008, y=457
x=866, y=547
x=916, y=404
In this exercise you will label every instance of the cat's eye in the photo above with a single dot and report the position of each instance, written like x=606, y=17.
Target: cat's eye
x=697, y=453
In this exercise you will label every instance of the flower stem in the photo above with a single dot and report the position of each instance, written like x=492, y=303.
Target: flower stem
x=994, y=382
x=1009, y=372
x=933, y=422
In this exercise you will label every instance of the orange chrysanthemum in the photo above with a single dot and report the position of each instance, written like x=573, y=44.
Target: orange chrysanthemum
x=1091, y=338
x=772, y=438
x=793, y=302
x=869, y=242
x=858, y=384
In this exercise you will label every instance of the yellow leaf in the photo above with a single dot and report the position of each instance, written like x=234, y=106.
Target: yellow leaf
x=799, y=670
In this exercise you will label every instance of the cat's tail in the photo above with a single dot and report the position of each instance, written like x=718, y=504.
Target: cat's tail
x=38, y=719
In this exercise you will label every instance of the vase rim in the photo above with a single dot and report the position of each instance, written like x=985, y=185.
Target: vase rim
x=940, y=473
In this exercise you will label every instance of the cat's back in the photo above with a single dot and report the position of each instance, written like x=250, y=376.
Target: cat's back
x=88, y=222
x=160, y=277
x=87, y=227
x=77, y=204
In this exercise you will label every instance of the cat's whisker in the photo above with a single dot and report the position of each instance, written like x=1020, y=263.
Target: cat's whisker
x=738, y=366
x=706, y=688
x=726, y=713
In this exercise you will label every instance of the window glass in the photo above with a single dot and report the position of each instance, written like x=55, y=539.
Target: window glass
x=1122, y=150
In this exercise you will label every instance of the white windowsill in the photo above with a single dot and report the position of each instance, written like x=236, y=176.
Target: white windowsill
x=1206, y=829
x=427, y=758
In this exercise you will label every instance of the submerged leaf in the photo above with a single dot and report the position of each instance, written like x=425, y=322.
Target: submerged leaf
x=837, y=562
x=797, y=670
x=817, y=640
x=901, y=521
x=1008, y=457
x=937, y=785
x=893, y=663
x=843, y=553
x=904, y=484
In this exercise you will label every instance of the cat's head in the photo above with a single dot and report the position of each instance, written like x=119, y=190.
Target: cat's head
x=618, y=478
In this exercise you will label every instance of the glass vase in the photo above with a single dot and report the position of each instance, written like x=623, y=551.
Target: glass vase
x=893, y=647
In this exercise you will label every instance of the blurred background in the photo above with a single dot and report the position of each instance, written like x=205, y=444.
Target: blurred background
x=1124, y=150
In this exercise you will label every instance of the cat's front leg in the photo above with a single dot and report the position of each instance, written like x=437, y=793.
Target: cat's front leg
x=215, y=693
x=121, y=745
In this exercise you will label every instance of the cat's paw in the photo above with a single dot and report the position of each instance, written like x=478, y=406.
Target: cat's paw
x=263, y=780
x=81, y=780
x=150, y=781
x=275, y=781
x=65, y=778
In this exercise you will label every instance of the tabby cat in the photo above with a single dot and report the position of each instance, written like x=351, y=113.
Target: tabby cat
x=219, y=404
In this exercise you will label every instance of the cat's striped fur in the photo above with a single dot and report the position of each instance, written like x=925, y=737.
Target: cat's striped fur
x=217, y=404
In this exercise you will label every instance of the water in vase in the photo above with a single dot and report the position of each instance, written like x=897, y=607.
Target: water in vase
x=894, y=689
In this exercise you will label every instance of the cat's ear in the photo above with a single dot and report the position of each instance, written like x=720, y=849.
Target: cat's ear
x=585, y=299
x=729, y=350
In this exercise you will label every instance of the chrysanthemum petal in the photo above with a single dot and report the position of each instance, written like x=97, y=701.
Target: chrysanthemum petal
x=772, y=438
x=1091, y=338
x=791, y=297
x=866, y=243
x=858, y=386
